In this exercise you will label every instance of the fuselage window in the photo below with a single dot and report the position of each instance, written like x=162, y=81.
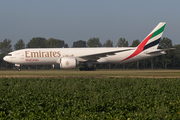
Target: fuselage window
x=9, y=54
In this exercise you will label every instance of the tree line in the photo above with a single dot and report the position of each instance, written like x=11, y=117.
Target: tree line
x=169, y=61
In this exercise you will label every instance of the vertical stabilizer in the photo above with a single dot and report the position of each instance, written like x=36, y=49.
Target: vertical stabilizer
x=152, y=40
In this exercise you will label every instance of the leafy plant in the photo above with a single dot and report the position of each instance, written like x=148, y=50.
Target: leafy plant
x=89, y=98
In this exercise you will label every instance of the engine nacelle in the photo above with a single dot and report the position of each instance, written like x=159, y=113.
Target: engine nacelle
x=66, y=63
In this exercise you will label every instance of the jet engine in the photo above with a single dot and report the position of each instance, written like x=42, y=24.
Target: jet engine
x=66, y=63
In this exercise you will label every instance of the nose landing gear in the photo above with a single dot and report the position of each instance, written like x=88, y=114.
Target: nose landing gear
x=18, y=67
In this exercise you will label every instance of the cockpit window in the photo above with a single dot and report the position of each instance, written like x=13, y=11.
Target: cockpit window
x=9, y=54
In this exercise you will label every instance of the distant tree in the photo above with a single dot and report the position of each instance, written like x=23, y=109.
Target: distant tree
x=122, y=42
x=135, y=43
x=37, y=42
x=108, y=43
x=56, y=43
x=163, y=44
x=65, y=45
x=164, y=60
x=79, y=43
x=176, y=57
x=2, y=62
x=5, y=48
x=94, y=42
x=19, y=45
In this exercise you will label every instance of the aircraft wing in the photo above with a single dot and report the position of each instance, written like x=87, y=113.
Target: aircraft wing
x=159, y=50
x=96, y=56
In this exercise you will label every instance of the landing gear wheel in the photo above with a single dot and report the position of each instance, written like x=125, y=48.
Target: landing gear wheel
x=81, y=69
x=92, y=69
x=87, y=69
x=18, y=69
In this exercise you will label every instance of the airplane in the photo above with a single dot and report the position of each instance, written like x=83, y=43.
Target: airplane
x=67, y=58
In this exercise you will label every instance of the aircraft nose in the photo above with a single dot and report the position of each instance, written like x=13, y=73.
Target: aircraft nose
x=5, y=58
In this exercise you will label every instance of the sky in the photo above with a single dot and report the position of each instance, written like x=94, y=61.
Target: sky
x=73, y=20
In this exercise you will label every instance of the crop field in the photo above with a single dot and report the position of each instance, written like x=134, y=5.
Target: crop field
x=89, y=98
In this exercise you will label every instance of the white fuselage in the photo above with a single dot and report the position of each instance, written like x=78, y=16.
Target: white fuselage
x=42, y=56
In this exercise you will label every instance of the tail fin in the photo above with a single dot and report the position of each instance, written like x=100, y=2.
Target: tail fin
x=152, y=40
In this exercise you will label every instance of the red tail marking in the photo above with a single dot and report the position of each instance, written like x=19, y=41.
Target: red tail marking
x=139, y=48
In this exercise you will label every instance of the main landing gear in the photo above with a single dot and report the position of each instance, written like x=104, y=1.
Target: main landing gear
x=86, y=68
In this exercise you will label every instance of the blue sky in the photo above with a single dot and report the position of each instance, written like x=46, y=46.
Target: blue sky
x=73, y=20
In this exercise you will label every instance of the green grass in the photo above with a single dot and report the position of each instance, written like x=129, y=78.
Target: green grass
x=89, y=98
x=99, y=73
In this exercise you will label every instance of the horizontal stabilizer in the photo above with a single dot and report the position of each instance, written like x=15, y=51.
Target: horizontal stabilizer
x=159, y=50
